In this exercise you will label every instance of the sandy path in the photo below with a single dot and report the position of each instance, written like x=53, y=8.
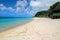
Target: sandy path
x=38, y=29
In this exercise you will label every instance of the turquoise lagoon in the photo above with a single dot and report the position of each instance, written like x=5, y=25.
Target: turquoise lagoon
x=6, y=23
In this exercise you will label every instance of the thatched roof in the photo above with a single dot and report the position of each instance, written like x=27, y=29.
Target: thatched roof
x=57, y=8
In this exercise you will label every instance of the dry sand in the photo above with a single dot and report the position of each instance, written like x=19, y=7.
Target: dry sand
x=38, y=29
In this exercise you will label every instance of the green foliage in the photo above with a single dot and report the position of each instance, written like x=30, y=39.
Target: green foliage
x=45, y=13
x=53, y=6
x=56, y=14
x=41, y=14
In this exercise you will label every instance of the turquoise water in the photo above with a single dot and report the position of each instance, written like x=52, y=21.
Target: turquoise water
x=6, y=23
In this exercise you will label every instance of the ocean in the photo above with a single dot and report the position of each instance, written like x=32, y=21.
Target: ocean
x=6, y=23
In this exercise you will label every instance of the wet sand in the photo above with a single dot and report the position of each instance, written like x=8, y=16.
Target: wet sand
x=38, y=29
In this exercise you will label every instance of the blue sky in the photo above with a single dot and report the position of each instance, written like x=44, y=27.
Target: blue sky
x=23, y=8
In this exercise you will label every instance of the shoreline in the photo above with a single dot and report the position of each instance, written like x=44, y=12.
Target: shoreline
x=37, y=29
x=14, y=26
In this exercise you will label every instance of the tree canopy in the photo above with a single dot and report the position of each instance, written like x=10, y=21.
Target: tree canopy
x=44, y=13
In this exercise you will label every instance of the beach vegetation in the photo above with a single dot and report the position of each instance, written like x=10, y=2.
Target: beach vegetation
x=54, y=10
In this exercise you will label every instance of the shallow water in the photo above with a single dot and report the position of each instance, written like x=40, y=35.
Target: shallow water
x=10, y=22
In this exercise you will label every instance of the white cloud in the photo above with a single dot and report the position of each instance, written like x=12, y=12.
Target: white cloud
x=35, y=3
x=41, y=4
x=18, y=10
x=38, y=5
x=10, y=9
x=21, y=3
x=20, y=6
x=30, y=11
x=2, y=7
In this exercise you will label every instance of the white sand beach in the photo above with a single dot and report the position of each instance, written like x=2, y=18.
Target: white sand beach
x=37, y=29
